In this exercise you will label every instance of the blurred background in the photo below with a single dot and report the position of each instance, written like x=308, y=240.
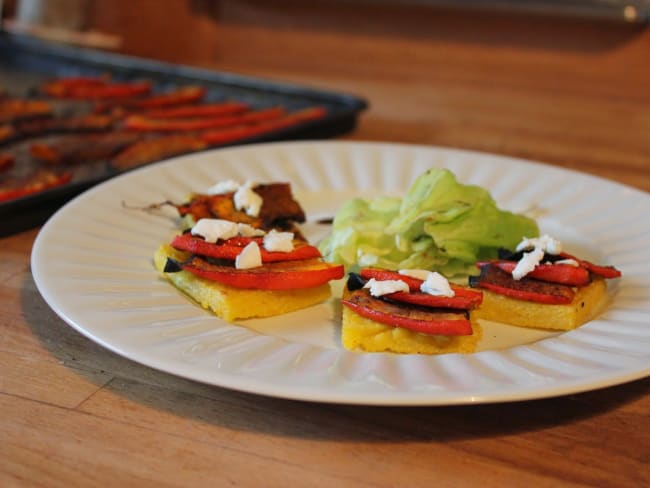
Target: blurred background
x=564, y=82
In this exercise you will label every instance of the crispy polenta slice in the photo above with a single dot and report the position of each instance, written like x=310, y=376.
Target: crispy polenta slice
x=232, y=303
x=587, y=303
x=362, y=334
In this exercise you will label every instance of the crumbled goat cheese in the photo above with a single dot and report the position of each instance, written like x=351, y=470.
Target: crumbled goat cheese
x=537, y=247
x=246, y=230
x=384, y=287
x=433, y=282
x=228, y=186
x=246, y=199
x=527, y=263
x=214, y=229
x=276, y=241
x=249, y=257
x=545, y=243
x=437, y=285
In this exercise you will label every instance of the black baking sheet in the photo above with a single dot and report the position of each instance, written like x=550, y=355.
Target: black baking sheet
x=27, y=62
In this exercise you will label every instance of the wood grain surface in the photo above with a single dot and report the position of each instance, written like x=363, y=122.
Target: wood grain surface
x=571, y=93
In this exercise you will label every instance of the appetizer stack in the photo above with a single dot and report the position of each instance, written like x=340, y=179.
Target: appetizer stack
x=539, y=285
x=243, y=255
x=409, y=311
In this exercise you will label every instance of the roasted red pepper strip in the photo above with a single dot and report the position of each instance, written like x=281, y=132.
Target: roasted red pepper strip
x=604, y=271
x=463, y=297
x=181, y=96
x=50, y=181
x=106, y=91
x=15, y=109
x=433, y=301
x=231, y=248
x=78, y=149
x=284, y=275
x=564, y=274
x=54, y=125
x=138, y=123
x=60, y=87
x=235, y=134
x=415, y=319
x=149, y=150
x=531, y=290
x=198, y=111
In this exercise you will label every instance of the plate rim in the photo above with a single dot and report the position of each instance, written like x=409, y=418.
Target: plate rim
x=617, y=376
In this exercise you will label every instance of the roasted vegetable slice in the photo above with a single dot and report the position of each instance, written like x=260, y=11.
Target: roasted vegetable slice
x=149, y=150
x=285, y=275
x=494, y=279
x=418, y=319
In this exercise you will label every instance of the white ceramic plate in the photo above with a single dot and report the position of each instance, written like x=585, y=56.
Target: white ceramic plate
x=92, y=262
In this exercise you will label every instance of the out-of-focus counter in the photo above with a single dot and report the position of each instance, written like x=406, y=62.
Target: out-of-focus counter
x=565, y=91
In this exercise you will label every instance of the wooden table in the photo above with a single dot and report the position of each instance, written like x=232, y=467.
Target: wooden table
x=569, y=93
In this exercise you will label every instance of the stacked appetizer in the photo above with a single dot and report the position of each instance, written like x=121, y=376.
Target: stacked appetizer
x=539, y=285
x=243, y=255
x=408, y=311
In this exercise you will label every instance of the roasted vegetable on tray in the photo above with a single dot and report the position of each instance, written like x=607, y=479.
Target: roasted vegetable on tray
x=73, y=123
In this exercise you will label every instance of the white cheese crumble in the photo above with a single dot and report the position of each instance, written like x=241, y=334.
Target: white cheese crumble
x=228, y=186
x=276, y=241
x=246, y=230
x=437, y=285
x=246, y=199
x=433, y=282
x=545, y=243
x=527, y=263
x=249, y=257
x=570, y=262
x=384, y=287
x=537, y=247
x=214, y=229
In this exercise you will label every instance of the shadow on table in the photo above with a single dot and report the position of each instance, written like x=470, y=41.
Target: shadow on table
x=192, y=401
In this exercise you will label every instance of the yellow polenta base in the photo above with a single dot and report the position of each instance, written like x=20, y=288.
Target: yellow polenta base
x=362, y=334
x=587, y=303
x=232, y=303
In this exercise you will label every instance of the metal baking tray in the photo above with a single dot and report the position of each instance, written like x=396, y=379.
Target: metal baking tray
x=27, y=62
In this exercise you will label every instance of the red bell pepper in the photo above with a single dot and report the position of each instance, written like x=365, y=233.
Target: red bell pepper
x=198, y=111
x=231, y=248
x=162, y=101
x=139, y=123
x=50, y=180
x=417, y=320
x=494, y=279
x=565, y=274
x=236, y=134
x=608, y=272
x=464, y=298
x=61, y=87
x=284, y=275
